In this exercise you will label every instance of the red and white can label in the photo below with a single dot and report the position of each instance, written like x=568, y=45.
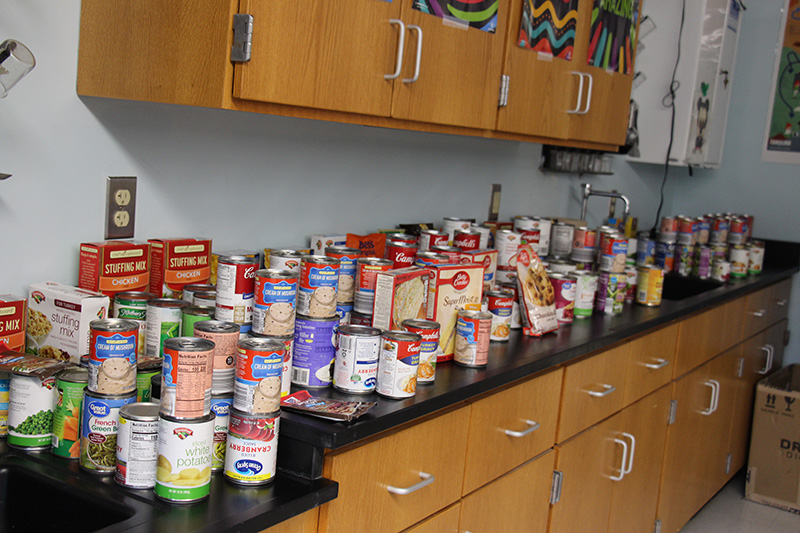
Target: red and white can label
x=274, y=307
x=317, y=291
x=473, y=333
x=500, y=305
x=257, y=387
x=507, y=243
x=531, y=236
x=564, y=289
x=428, y=352
x=467, y=240
x=584, y=239
x=236, y=284
x=112, y=361
x=401, y=254
x=428, y=238
x=251, y=450
x=736, y=233
x=669, y=225
x=397, y=366
x=614, y=254
x=186, y=382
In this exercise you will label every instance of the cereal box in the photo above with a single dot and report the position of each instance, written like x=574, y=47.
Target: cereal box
x=451, y=288
x=178, y=262
x=12, y=323
x=400, y=294
x=536, y=294
x=486, y=258
x=110, y=267
x=58, y=320
x=212, y=279
x=320, y=242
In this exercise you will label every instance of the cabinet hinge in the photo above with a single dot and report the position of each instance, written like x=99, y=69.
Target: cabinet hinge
x=740, y=370
x=673, y=408
x=502, y=101
x=242, y=38
x=555, y=488
x=728, y=461
x=657, y=527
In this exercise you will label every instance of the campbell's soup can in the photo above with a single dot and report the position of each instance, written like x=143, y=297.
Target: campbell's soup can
x=507, y=243
x=186, y=377
x=500, y=305
x=453, y=254
x=401, y=254
x=275, y=301
x=736, y=231
x=70, y=386
x=614, y=253
x=112, y=355
x=516, y=319
x=314, y=351
x=561, y=239
x=645, y=249
x=585, y=291
x=486, y=235
x=719, y=229
x=739, y=257
x=564, y=288
x=285, y=260
x=631, y=278
x=360, y=319
x=183, y=467
x=684, y=259
x=429, y=348
x=473, y=335
x=251, y=454
x=523, y=222
x=347, y=270
x=424, y=259
x=163, y=322
x=665, y=255
x=702, y=262
x=99, y=426
x=669, y=225
x=748, y=233
x=317, y=289
x=432, y=237
x=236, y=282
x=259, y=367
x=355, y=369
x=721, y=270
x=367, y=269
x=137, y=445
x=451, y=224
x=649, y=285
x=467, y=239
x=398, y=364
x=402, y=237
x=221, y=405
x=611, y=288
x=132, y=305
x=30, y=412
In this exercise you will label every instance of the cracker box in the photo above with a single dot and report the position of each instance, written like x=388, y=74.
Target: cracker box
x=536, y=294
x=178, y=262
x=400, y=294
x=451, y=288
x=12, y=322
x=110, y=267
x=773, y=469
x=486, y=258
x=58, y=320
x=320, y=242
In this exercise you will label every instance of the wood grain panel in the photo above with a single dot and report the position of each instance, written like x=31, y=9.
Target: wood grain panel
x=708, y=334
x=652, y=359
x=442, y=522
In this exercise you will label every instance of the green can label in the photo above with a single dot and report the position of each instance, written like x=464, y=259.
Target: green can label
x=188, y=321
x=5, y=382
x=185, y=447
x=143, y=385
x=66, y=419
x=30, y=411
x=99, y=422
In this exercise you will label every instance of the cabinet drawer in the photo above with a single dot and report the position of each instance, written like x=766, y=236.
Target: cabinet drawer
x=442, y=522
x=652, y=359
x=778, y=306
x=510, y=427
x=593, y=390
x=708, y=334
x=429, y=455
x=766, y=307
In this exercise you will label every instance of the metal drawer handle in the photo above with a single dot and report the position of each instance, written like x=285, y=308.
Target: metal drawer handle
x=655, y=366
x=759, y=314
x=415, y=77
x=588, y=95
x=714, y=384
x=781, y=303
x=770, y=356
x=401, y=43
x=633, y=453
x=608, y=390
x=624, y=460
x=427, y=479
x=533, y=427
x=580, y=94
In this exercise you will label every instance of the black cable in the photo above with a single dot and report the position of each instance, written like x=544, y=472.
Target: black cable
x=669, y=101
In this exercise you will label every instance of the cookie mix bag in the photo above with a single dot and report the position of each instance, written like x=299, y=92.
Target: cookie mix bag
x=536, y=295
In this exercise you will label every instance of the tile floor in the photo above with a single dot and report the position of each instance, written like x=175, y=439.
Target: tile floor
x=729, y=512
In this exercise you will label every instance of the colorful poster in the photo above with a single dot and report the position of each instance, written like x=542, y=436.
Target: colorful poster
x=480, y=14
x=548, y=26
x=612, y=39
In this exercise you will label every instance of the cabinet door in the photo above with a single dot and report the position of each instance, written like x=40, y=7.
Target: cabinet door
x=652, y=359
x=708, y=334
x=518, y=501
x=325, y=55
x=442, y=522
x=757, y=312
x=778, y=306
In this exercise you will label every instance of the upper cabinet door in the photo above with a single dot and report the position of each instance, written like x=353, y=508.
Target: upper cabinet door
x=321, y=54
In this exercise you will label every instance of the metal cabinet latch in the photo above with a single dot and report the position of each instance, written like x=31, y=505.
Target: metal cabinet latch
x=502, y=100
x=242, y=38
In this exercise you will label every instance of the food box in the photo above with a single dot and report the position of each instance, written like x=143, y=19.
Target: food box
x=773, y=469
x=58, y=320
x=320, y=242
x=178, y=262
x=212, y=278
x=486, y=258
x=400, y=294
x=12, y=322
x=451, y=288
x=110, y=267
x=536, y=294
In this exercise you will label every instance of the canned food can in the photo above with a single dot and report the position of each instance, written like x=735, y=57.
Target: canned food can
x=721, y=271
x=401, y=254
x=561, y=239
x=163, y=322
x=669, y=225
x=132, y=305
x=275, y=301
x=486, y=235
x=500, y=304
x=5, y=384
x=684, y=259
x=561, y=266
x=146, y=369
x=317, y=287
x=99, y=425
x=221, y=405
x=451, y=224
x=314, y=352
x=645, y=250
x=347, y=270
x=186, y=377
x=70, y=385
x=137, y=446
x=505, y=275
x=584, y=242
x=545, y=228
x=631, y=276
x=343, y=311
x=665, y=255
x=360, y=319
x=473, y=335
x=402, y=237
x=507, y=243
x=367, y=269
x=355, y=369
x=466, y=239
x=756, y=257
x=398, y=364
x=429, y=347
x=259, y=367
x=630, y=254
x=189, y=291
x=192, y=314
x=183, y=468
x=285, y=260
x=564, y=288
x=288, y=357
x=702, y=262
x=204, y=298
x=112, y=355
x=531, y=236
x=611, y=287
x=719, y=230
x=748, y=234
x=251, y=453
x=225, y=336
x=736, y=232
x=236, y=277
x=585, y=290
x=432, y=237
x=650, y=284
x=703, y=230
x=614, y=253
x=523, y=222
x=453, y=254
x=424, y=259
x=30, y=412
x=740, y=259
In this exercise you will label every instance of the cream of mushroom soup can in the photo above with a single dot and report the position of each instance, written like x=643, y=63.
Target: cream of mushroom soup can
x=318, y=286
x=347, y=271
x=288, y=360
x=113, y=355
x=398, y=364
x=355, y=370
x=185, y=448
x=473, y=334
x=99, y=428
x=137, y=445
x=429, y=347
x=275, y=301
x=259, y=367
x=251, y=454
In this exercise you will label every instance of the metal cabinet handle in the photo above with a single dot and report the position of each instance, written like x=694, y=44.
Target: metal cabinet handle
x=759, y=314
x=415, y=77
x=770, y=356
x=624, y=460
x=427, y=479
x=781, y=303
x=655, y=366
x=533, y=427
x=629, y=467
x=580, y=94
x=589, y=95
x=714, y=384
x=401, y=44
x=608, y=390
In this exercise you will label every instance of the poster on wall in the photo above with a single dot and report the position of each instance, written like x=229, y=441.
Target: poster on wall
x=782, y=137
x=612, y=39
x=548, y=27
x=480, y=14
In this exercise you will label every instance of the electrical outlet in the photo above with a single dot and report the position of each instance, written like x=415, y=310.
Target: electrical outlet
x=120, y=206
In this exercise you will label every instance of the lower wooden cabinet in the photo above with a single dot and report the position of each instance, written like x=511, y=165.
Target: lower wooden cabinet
x=445, y=521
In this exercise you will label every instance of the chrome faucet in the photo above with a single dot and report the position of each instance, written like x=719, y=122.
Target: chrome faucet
x=588, y=191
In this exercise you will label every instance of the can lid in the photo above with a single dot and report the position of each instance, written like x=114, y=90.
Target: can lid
x=421, y=323
x=285, y=253
x=376, y=261
x=359, y=331
x=141, y=411
x=320, y=260
x=167, y=302
x=74, y=375
x=276, y=273
x=113, y=324
x=406, y=336
x=261, y=344
x=239, y=259
x=499, y=294
x=134, y=295
x=189, y=344
x=198, y=310
x=474, y=314
x=217, y=326
x=148, y=364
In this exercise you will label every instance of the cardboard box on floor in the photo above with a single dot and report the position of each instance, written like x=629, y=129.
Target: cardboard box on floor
x=773, y=472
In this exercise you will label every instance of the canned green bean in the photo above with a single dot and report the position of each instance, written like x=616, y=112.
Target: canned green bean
x=99, y=422
x=70, y=384
x=221, y=405
x=147, y=367
x=192, y=314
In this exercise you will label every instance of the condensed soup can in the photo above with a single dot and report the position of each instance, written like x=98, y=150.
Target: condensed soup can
x=467, y=239
x=401, y=254
x=221, y=405
x=192, y=314
x=398, y=364
x=137, y=446
x=132, y=305
x=70, y=386
x=317, y=289
x=611, y=288
x=429, y=348
x=721, y=271
x=259, y=367
x=99, y=425
x=424, y=259
x=163, y=322
x=183, y=469
x=473, y=335
x=314, y=351
x=613, y=254
x=740, y=259
x=719, y=229
x=669, y=225
x=564, y=288
x=665, y=255
x=432, y=237
x=401, y=237
x=500, y=304
x=646, y=249
x=702, y=262
x=251, y=454
x=585, y=290
x=286, y=374
x=584, y=242
x=285, y=260
x=451, y=224
x=355, y=370
x=30, y=412
x=756, y=257
x=367, y=269
x=112, y=355
x=189, y=291
x=236, y=281
x=275, y=301
x=507, y=243
x=186, y=377
x=736, y=231
x=347, y=271
x=486, y=235
x=650, y=284
x=453, y=253
x=561, y=239
x=225, y=336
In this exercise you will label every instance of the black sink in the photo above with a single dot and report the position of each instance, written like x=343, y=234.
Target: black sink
x=679, y=288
